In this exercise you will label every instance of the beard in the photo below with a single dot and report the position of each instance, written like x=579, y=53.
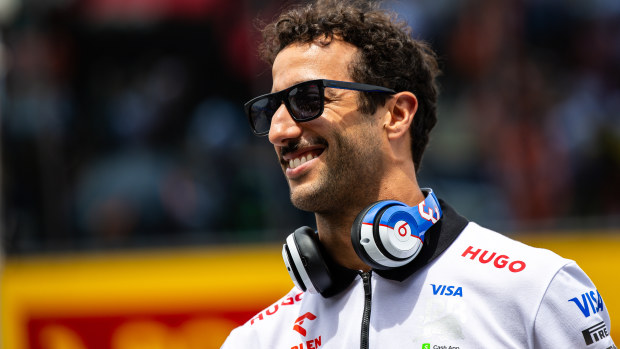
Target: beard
x=349, y=178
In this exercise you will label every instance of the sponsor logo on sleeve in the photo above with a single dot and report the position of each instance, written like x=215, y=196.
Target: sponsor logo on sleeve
x=589, y=303
x=595, y=333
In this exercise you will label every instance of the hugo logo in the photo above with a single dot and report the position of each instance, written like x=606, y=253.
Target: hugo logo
x=499, y=261
x=300, y=321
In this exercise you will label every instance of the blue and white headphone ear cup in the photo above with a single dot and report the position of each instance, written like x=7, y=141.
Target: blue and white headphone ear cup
x=367, y=239
x=389, y=234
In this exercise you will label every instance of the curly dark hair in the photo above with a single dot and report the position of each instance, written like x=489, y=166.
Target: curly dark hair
x=388, y=55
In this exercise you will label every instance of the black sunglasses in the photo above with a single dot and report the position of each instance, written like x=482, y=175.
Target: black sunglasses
x=304, y=102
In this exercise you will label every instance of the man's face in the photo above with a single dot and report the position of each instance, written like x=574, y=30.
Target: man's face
x=333, y=162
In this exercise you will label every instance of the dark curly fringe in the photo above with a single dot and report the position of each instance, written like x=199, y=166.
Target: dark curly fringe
x=388, y=56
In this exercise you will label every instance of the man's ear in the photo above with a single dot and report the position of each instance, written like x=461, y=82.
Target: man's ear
x=401, y=110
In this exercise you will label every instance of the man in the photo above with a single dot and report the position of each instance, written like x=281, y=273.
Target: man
x=352, y=105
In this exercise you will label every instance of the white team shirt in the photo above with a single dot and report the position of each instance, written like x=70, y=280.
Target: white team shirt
x=484, y=291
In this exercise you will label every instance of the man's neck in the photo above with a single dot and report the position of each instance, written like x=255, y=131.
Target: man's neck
x=335, y=235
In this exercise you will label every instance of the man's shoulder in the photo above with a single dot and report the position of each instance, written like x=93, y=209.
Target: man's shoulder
x=493, y=240
x=486, y=250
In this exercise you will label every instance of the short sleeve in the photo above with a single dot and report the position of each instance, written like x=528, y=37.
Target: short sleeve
x=572, y=313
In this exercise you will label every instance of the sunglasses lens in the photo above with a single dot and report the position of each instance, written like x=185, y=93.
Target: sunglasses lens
x=306, y=101
x=261, y=113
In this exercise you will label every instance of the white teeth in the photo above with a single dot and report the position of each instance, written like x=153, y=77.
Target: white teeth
x=300, y=161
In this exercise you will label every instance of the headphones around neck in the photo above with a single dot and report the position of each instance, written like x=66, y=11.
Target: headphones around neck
x=387, y=234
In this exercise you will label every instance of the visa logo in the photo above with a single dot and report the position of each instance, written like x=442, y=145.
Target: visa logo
x=445, y=290
x=590, y=303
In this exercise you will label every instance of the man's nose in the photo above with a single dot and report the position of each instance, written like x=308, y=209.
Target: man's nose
x=283, y=127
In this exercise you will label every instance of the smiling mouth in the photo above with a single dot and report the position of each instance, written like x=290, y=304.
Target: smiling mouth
x=298, y=152
x=300, y=160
